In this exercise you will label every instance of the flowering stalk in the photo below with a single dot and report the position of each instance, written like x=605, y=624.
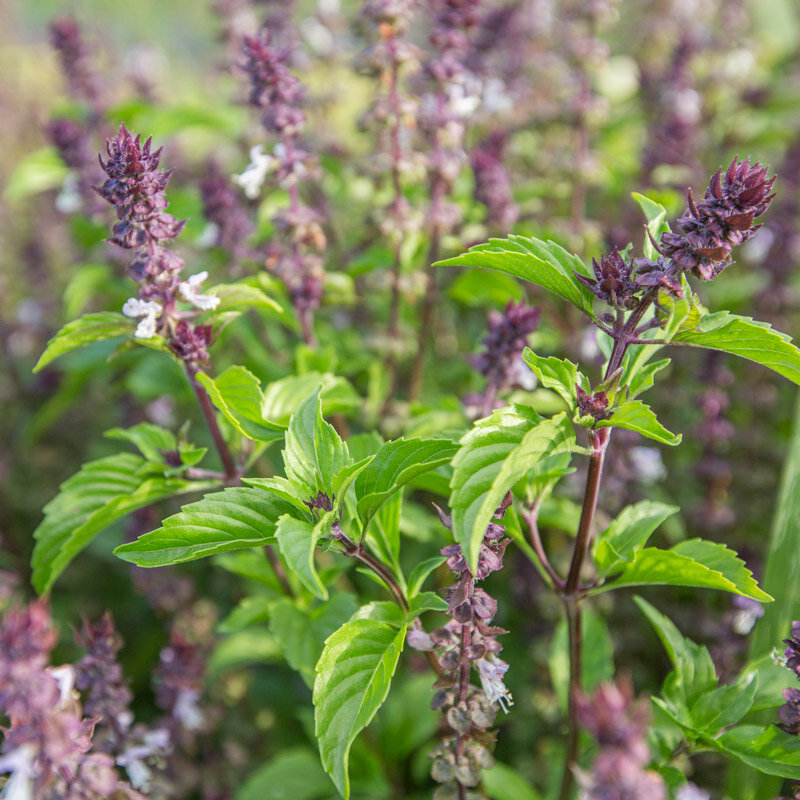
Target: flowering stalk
x=135, y=187
x=701, y=243
x=278, y=94
x=467, y=641
x=393, y=115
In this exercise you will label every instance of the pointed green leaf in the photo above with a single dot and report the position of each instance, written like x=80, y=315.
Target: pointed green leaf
x=294, y=773
x=151, y=440
x=298, y=542
x=301, y=633
x=503, y=783
x=101, y=493
x=353, y=678
x=394, y=465
x=544, y=263
x=86, y=330
x=237, y=394
x=769, y=750
x=315, y=453
x=557, y=374
x=724, y=706
x=745, y=337
x=420, y=573
x=634, y=415
x=692, y=563
x=283, y=397
x=241, y=297
x=656, y=222
x=38, y=171
x=694, y=668
x=250, y=611
x=643, y=378
x=628, y=533
x=232, y=519
x=500, y=451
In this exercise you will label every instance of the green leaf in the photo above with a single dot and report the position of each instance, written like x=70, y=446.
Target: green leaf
x=769, y=750
x=283, y=397
x=544, y=263
x=294, y=773
x=315, y=453
x=353, y=678
x=694, y=669
x=656, y=222
x=598, y=656
x=250, y=611
x=558, y=374
x=476, y=289
x=232, y=519
x=298, y=542
x=695, y=562
x=237, y=394
x=743, y=336
x=150, y=440
x=101, y=493
x=503, y=783
x=241, y=297
x=500, y=451
x=427, y=601
x=420, y=573
x=36, y=172
x=301, y=633
x=724, y=706
x=86, y=330
x=634, y=415
x=643, y=378
x=393, y=466
x=628, y=533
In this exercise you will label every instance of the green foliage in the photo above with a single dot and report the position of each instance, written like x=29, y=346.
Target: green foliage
x=354, y=673
x=294, y=773
x=745, y=337
x=228, y=520
x=395, y=465
x=634, y=415
x=297, y=540
x=85, y=330
x=38, y=171
x=543, y=263
x=103, y=492
x=282, y=397
x=656, y=223
x=628, y=533
x=695, y=562
x=315, y=454
x=558, y=374
x=237, y=394
x=501, y=450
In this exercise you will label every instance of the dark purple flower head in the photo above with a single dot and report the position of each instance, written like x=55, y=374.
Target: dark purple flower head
x=135, y=187
x=190, y=342
x=789, y=712
x=662, y=273
x=66, y=39
x=273, y=88
x=592, y=405
x=705, y=235
x=613, y=281
x=222, y=208
x=503, y=345
x=492, y=182
x=71, y=140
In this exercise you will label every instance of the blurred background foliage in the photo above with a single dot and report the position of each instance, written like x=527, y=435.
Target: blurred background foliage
x=168, y=74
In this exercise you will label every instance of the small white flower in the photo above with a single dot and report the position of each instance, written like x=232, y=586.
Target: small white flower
x=187, y=711
x=133, y=759
x=69, y=199
x=491, y=670
x=145, y=310
x=252, y=179
x=65, y=676
x=19, y=762
x=189, y=291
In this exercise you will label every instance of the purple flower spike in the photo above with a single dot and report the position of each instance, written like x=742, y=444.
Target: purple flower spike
x=705, y=235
